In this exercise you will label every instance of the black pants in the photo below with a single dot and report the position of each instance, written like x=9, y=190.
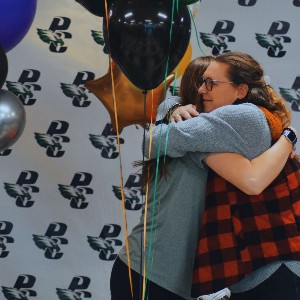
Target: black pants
x=282, y=285
x=120, y=286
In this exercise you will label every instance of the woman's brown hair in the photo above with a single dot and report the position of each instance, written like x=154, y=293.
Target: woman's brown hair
x=243, y=68
x=188, y=92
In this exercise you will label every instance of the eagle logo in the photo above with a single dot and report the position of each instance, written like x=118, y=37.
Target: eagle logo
x=17, y=191
x=132, y=200
x=101, y=245
x=47, y=140
x=22, y=91
x=72, y=193
x=75, y=92
x=269, y=42
x=98, y=37
x=47, y=243
x=15, y=294
x=216, y=42
x=292, y=96
x=65, y=294
x=102, y=142
x=50, y=37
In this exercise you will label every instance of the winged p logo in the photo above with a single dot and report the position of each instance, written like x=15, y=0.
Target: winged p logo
x=72, y=193
x=269, y=41
x=101, y=245
x=102, y=142
x=47, y=140
x=216, y=42
x=22, y=91
x=132, y=201
x=17, y=191
x=22, y=193
x=75, y=92
x=50, y=37
x=47, y=243
x=292, y=96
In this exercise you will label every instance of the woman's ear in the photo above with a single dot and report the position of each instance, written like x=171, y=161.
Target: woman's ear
x=242, y=90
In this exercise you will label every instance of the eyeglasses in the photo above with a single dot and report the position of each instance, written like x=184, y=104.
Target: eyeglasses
x=210, y=83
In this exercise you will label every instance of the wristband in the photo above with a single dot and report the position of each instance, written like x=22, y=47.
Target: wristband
x=290, y=135
x=170, y=111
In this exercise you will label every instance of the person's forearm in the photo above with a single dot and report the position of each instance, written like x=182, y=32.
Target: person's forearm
x=251, y=176
x=268, y=165
x=227, y=129
x=200, y=134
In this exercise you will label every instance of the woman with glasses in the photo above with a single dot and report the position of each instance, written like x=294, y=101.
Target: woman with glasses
x=248, y=243
x=176, y=202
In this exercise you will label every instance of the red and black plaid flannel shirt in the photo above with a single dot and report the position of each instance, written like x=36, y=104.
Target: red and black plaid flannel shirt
x=240, y=233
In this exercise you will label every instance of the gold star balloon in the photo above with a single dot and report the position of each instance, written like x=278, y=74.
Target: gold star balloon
x=129, y=99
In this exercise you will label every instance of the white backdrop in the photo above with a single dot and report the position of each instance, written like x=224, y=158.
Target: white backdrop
x=54, y=240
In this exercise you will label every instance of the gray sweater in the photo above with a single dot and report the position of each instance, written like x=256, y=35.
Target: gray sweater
x=176, y=204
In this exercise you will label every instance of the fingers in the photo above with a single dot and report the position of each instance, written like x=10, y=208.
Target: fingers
x=175, y=118
x=184, y=113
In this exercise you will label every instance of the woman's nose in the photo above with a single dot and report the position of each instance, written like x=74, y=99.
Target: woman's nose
x=202, y=89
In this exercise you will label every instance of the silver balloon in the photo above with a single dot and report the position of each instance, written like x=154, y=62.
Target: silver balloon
x=12, y=119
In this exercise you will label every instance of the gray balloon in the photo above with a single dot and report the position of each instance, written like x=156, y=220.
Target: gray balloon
x=12, y=119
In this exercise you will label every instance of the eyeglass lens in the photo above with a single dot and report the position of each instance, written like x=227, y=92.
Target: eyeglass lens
x=208, y=83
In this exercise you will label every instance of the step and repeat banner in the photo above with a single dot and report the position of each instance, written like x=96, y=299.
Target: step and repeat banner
x=61, y=221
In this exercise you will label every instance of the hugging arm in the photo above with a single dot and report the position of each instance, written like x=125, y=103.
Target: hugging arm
x=227, y=129
x=251, y=176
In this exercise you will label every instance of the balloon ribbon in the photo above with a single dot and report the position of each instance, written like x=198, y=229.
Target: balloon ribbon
x=120, y=160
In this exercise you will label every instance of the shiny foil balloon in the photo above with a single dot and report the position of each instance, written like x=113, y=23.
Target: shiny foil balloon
x=3, y=67
x=12, y=119
x=138, y=39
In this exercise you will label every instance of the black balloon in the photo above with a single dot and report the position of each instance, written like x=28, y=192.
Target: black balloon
x=3, y=67
x=138, y=39
x=96, y=7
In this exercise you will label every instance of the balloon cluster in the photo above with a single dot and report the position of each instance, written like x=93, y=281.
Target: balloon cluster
x=145, y=38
